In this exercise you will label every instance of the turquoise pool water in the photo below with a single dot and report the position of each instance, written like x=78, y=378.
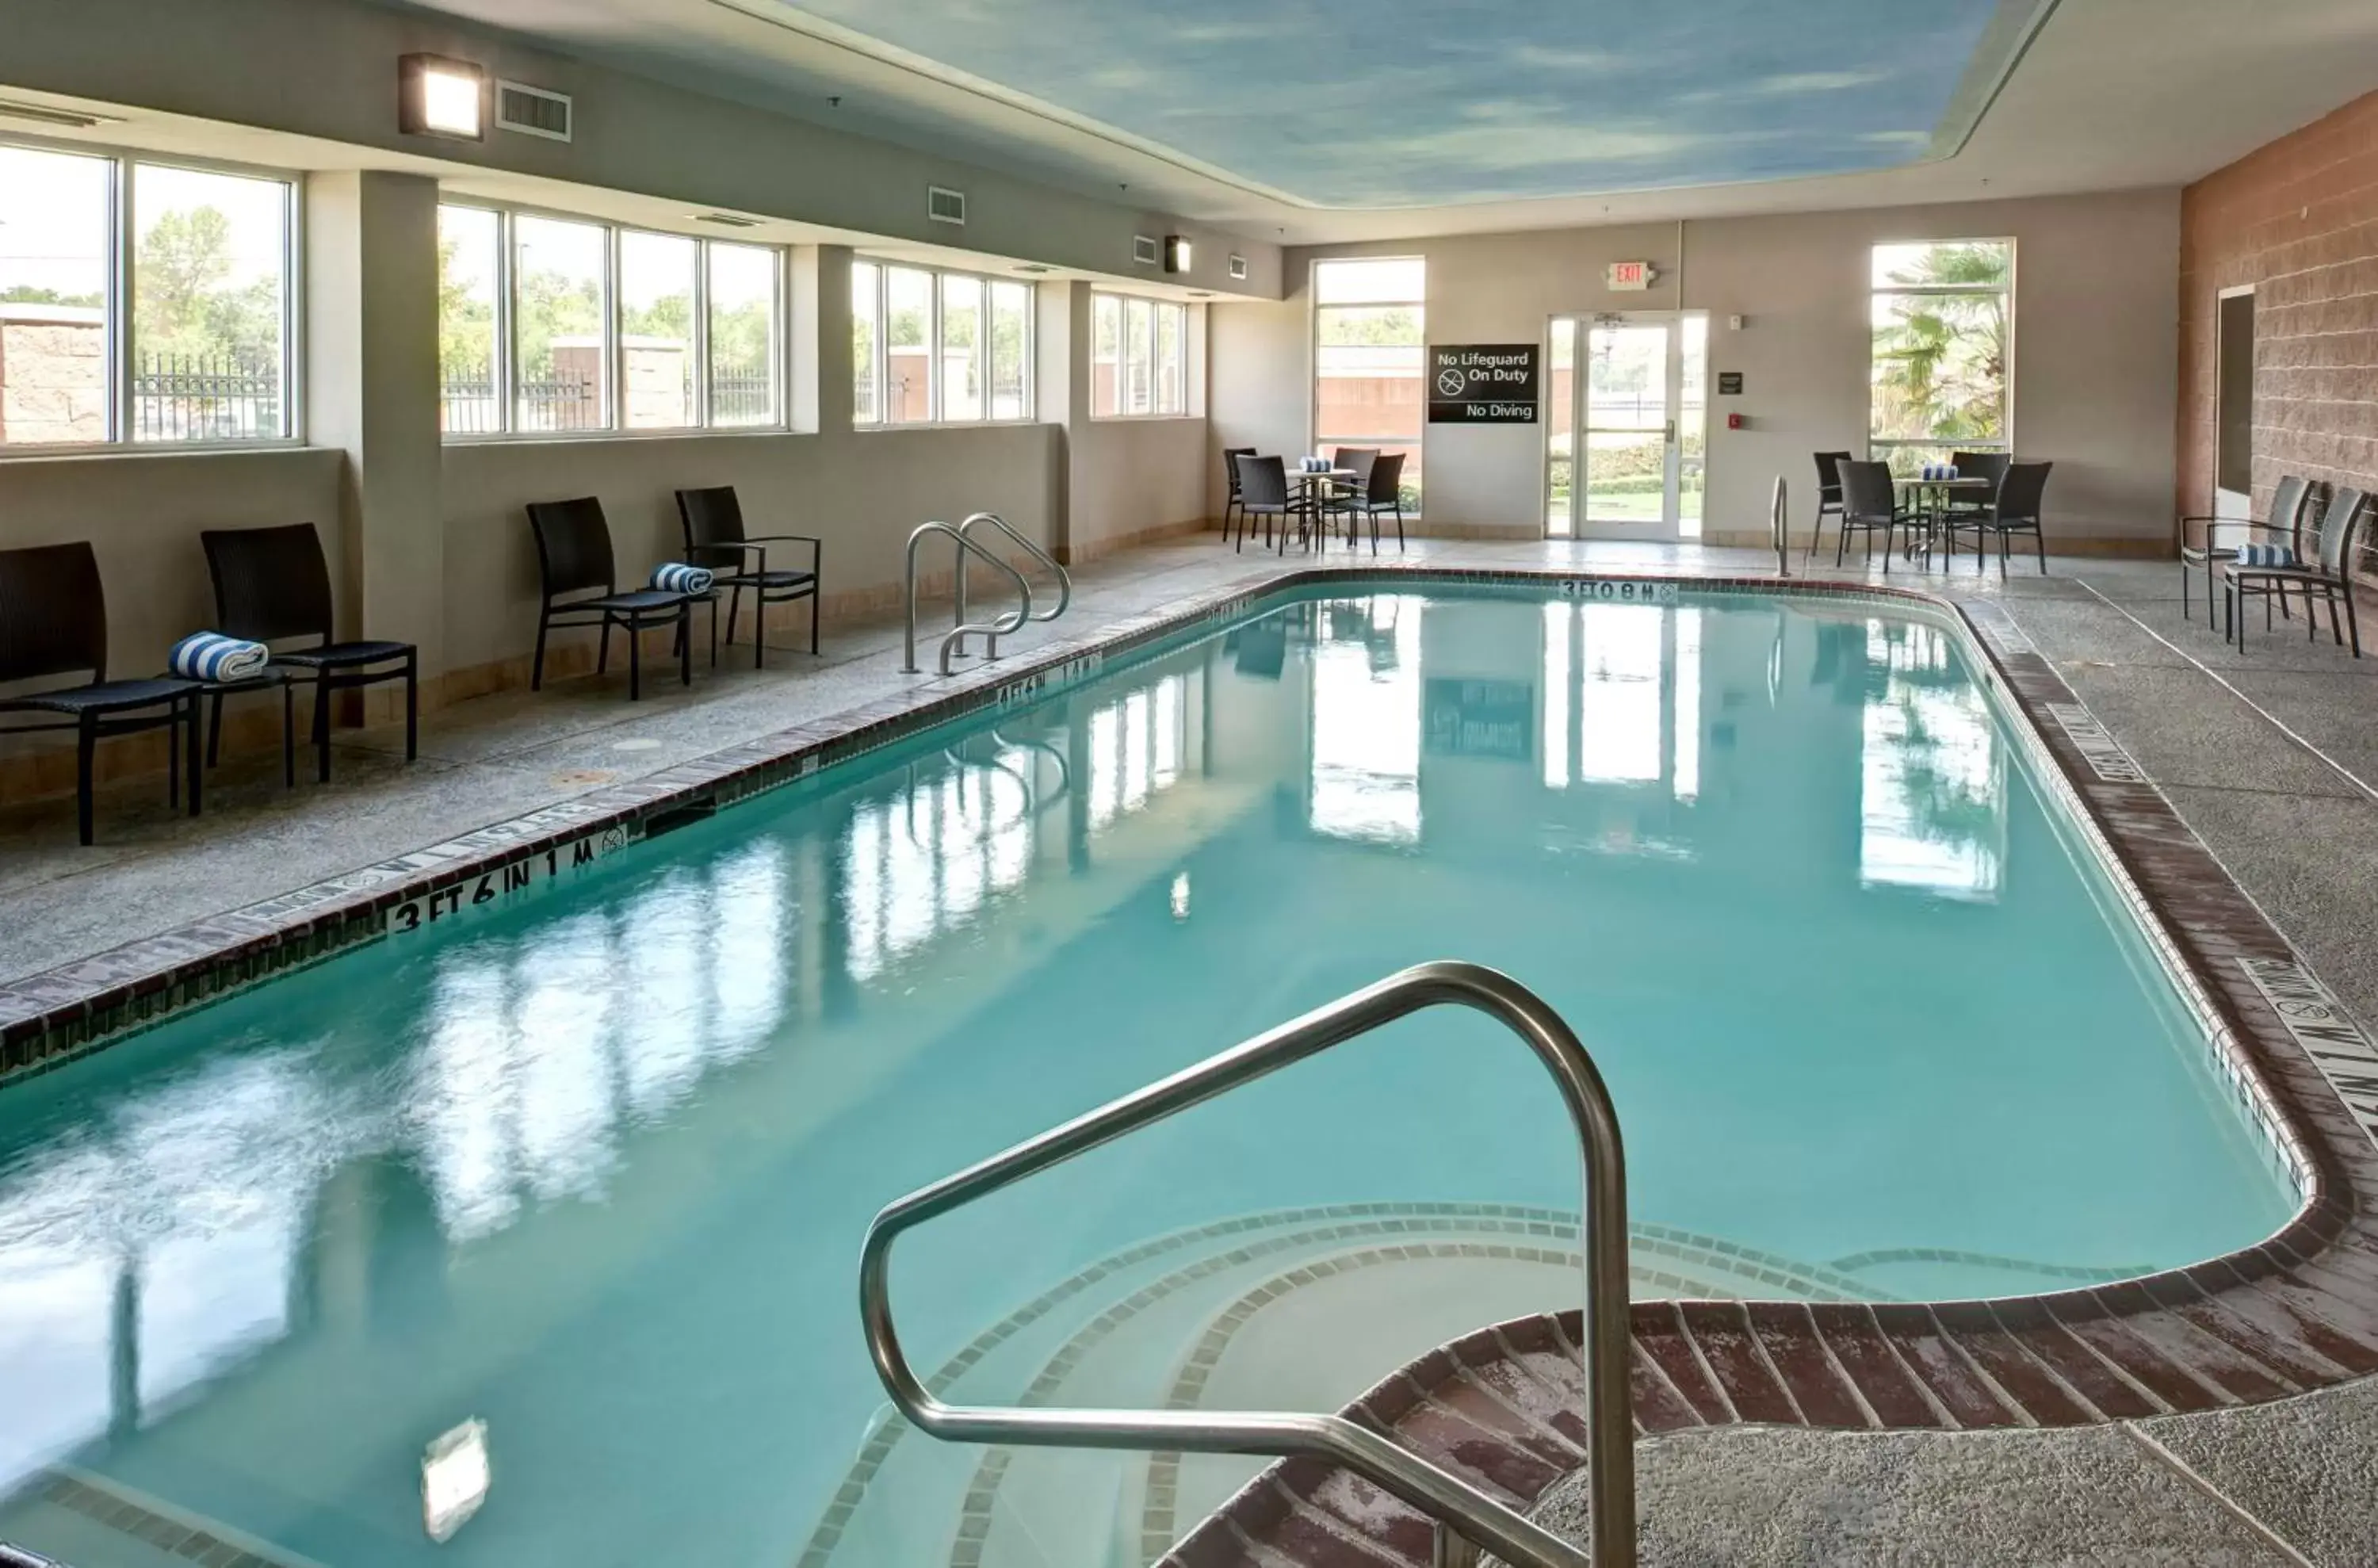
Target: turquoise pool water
x=591, y=1166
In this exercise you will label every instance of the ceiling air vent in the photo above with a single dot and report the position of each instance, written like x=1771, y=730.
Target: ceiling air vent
x=945, y=206
x=531, y=111
x=1238, y=268
x=727, y=220
x=1144, y=250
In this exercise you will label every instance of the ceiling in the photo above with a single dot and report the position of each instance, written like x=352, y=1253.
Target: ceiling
x=1311, y=121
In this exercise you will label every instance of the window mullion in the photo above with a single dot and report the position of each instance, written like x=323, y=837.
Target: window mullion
x=123, y=351
x=698, y=334
x=615, y=342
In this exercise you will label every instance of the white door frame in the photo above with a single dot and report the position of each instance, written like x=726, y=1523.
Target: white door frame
x=1581, y=325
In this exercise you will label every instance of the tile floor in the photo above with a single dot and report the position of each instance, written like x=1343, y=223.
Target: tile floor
x=2270, y=756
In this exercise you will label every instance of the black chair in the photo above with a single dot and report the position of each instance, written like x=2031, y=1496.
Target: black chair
x=2327, y=571
x=1263, y=492
x=2283, y=524
x=272, y=584
x=1231, y=455
x=2014, y=509
x=1829, y=497
x=573, y=557
x=1869, y=506
x=1383, y=491
x=53, y=622
x=713, y=521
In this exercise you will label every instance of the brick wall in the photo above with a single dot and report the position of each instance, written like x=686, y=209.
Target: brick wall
x=52, y=376
x=2298, y=219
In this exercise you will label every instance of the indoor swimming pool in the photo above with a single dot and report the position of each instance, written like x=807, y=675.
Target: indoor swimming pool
x=530, y=1234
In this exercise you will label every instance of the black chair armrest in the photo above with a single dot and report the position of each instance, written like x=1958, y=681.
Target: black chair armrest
x=2213, y=526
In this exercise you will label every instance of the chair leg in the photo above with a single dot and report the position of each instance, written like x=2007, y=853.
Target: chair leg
x=411, y=706
x=174, y=738
x=536, y=670
x=86, y=748
x=685, y=642
x=602, y=656
x=289, y=734
x=817, y=613
x=189, y=726
x=214, y=732
x=635, y=659
x=2352, y=616
x=2039, y=546
x=322, y=727
x=759, y=627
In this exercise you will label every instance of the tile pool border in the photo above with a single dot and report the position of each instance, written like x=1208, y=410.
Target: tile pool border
x=2294, y=1312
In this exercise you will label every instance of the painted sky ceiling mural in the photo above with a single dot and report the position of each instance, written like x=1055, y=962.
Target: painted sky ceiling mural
x=1409, y=103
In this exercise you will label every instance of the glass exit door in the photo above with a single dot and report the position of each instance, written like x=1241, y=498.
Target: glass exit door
x=1625, y=426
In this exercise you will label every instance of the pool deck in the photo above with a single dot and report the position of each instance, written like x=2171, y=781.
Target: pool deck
x=2270, y=759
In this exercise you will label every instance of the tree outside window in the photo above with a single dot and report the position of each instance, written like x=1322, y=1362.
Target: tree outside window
x=1942, y=319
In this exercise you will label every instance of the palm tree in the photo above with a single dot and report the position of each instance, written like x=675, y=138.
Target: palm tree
x=1939, y=359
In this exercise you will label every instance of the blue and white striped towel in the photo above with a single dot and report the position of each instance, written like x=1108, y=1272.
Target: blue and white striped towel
x=211, y=656
x=677, y=577
x=2266, y=555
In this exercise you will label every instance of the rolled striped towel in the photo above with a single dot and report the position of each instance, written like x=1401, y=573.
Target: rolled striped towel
x=677, y=577
x=211, y=656
x=2266, y=555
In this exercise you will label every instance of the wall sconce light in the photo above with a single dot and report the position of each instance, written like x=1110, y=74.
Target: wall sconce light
x=1176, y=253
x=435, y=96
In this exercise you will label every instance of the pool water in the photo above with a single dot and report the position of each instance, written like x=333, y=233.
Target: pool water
x=592, y=1167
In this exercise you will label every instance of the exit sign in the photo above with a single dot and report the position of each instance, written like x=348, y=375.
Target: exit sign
x=1631, y=275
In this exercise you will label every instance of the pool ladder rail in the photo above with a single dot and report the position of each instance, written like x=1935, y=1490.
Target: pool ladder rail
x=1467, y=1519
x=953, y=643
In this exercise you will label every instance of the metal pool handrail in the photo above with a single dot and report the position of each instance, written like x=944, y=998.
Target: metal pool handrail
x=1780, y=520
x=991, y=630
x=1065, y=579
x=1452, y=1502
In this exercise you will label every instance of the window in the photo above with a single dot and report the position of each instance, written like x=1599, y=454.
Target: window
x=1943, y=318
x=944, y=348
x=1370, y=332
x=1138, y=358
x=205, y=257
x=547, y=326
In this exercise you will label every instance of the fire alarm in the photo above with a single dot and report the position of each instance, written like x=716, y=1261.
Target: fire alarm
x=1735, y=421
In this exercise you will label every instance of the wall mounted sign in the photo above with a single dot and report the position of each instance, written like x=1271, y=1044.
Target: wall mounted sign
x=1480, y=718
x=1632, y=277
x=1481, y=383
x=1729, y=384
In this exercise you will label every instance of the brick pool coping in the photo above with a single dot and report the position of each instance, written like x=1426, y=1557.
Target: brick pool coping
x=2295, y=1312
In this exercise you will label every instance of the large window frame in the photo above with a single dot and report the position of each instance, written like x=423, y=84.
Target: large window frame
x=1906, y=453
x=1323, y=438
x=877, y=373
x=120, y=304
x=504, y=372
x=1165, y=388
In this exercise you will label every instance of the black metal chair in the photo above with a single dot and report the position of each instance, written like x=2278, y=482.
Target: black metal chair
x=1382, y=493
x=2327, y=571
x=573, y=557
x=53, y=622
x=2282, y=526
x=272, y=584
x=1263, y=492
x=1829, y=497
x=713, y=521
x=1231, y=455
x=2014, y=509
x=1869, y=506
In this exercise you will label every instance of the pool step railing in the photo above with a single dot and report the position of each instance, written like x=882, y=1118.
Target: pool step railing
x=1466, y=1517
x=993, y=520
x=954, y=640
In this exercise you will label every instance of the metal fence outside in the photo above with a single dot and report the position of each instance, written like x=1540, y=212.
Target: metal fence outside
x=473, y=405
x=205, y=397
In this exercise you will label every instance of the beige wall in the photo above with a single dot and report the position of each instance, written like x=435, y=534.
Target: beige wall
x=142, y=514
x=861, y=491
x=1136, y=479
x=2096, y=350
x=326, y=68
